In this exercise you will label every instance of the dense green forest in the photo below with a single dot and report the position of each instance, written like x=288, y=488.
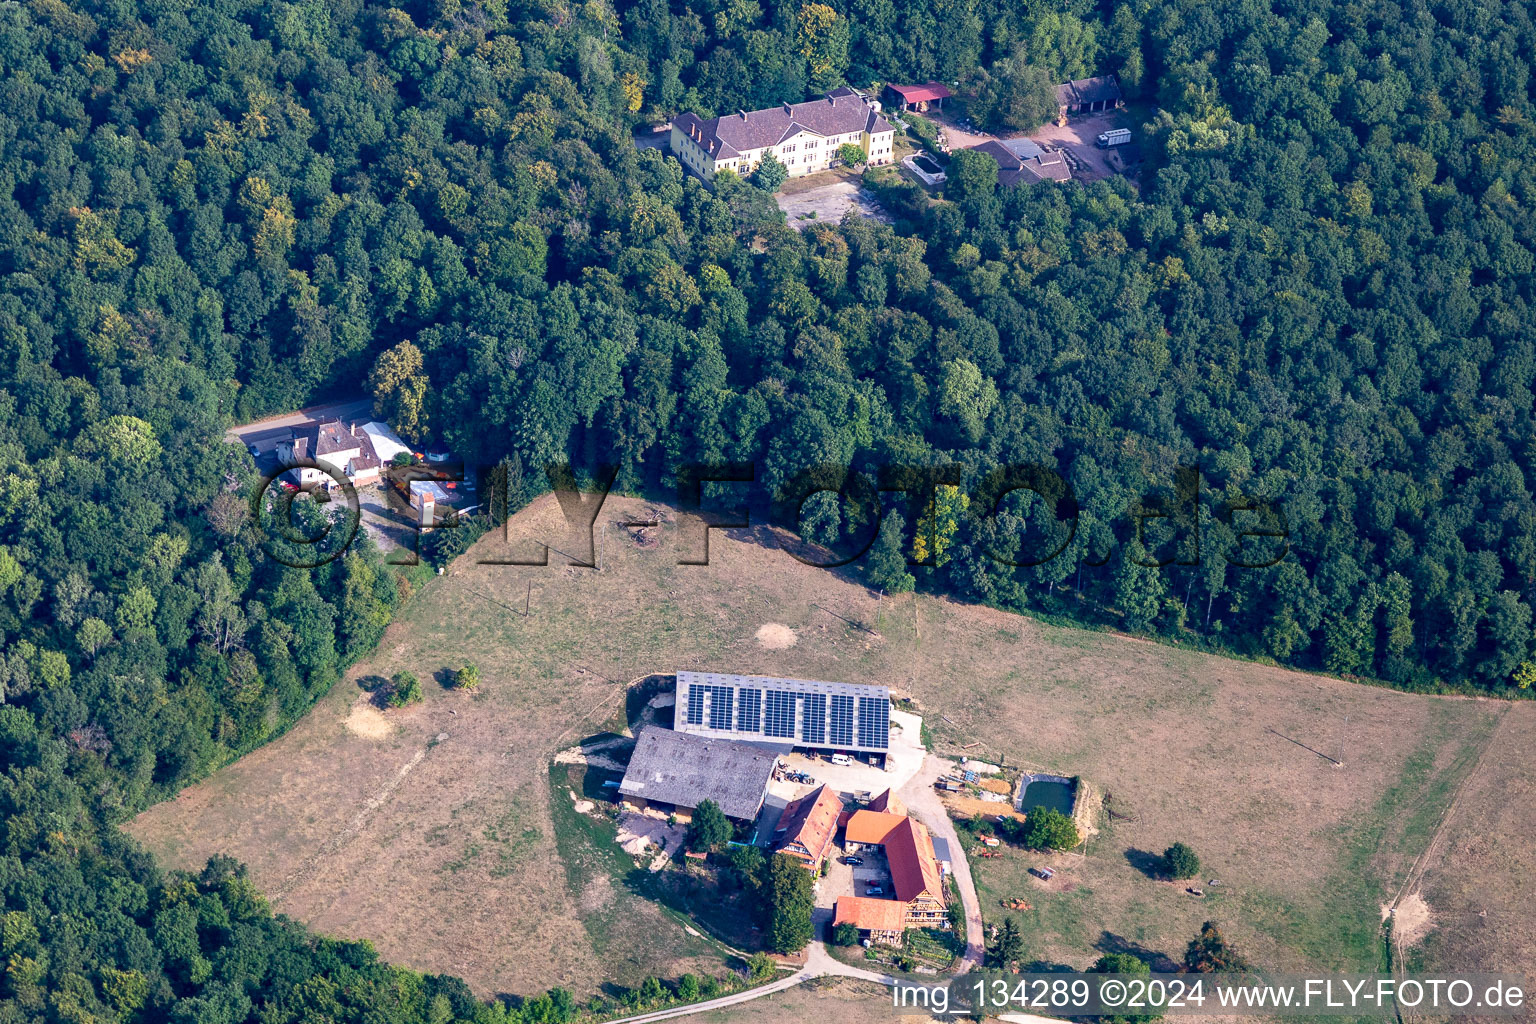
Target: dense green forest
x=1321, y=295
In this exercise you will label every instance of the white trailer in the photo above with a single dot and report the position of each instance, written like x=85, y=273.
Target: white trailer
x=1113, y=137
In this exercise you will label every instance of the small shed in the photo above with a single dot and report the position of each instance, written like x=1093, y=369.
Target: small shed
x=919, y=97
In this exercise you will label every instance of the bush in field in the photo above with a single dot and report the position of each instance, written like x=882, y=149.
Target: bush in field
x=467, y=678
x=1179, y=861
x=760, y=966
x=1208, y=952
x=403, y=690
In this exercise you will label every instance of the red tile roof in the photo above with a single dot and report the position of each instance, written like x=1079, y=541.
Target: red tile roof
x=809, y=822
x=870, y=914
x=871, y=827
x=908, y=850
x=921, y=93
x=889, y=803
x=914, y=869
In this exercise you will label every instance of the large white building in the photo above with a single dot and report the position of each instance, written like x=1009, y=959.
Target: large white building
x=784, y=712
x=804, y=137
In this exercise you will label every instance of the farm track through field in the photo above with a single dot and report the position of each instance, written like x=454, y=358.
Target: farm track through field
x=1416, y=870
x=341, y=839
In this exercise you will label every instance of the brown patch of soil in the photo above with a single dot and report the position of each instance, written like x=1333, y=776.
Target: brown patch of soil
x=776, y=637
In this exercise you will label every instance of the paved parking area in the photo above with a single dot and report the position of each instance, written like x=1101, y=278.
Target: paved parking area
x=903, y=760
x=1076, y=137
x=828, y=203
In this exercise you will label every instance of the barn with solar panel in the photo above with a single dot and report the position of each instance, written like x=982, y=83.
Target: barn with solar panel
x=785, y=713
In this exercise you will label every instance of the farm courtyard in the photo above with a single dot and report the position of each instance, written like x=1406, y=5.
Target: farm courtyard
x=431, y=830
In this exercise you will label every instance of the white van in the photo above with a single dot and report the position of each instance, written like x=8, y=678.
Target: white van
x=1113, y=137
x=840, y=759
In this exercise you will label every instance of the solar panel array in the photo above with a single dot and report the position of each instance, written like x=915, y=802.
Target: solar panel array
x=814, y=729
x=749, y=709
x=720, y=706
x=874, y=720
x=840, y=726
x=713, y=702
x=804, y=712
x=779, y=716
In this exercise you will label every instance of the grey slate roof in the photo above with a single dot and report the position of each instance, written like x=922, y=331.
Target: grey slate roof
x=1021, y=160
x=1088, y=90
x=684, y=769
x=839, y=112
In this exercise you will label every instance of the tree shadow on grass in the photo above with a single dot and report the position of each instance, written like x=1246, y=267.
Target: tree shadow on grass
x=445, y=677
x=722, y=912
x=1159, y=961
x=378, y=689
x=372, y=684
x=1046, y=967
x=1145, y=861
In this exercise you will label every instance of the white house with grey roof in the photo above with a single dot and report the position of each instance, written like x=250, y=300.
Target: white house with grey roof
x=805, y=137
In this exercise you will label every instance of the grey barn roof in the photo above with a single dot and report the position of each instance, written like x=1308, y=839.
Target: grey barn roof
x=1088, y=90
x=838, y=113
x=684, y=769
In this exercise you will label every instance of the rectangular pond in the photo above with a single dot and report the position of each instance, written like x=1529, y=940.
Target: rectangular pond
x=1052, y=793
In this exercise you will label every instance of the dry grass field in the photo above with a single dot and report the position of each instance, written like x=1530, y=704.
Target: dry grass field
x=1479, y=879
x=431, y=830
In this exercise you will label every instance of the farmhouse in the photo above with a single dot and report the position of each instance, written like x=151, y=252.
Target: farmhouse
x=804, y=137
x=807, y=825
x=1020, y=160
x=915, y=874
x=784, y=713
x=353, y=449
x=877, y=920
x=1089, y=95
x=673, y=772
x=918, y=97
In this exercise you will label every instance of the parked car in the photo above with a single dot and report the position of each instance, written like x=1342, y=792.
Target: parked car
x=853, y=862
x=874, y=890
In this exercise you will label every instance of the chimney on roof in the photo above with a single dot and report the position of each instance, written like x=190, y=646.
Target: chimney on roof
x=788, y=109
x=743, y=114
